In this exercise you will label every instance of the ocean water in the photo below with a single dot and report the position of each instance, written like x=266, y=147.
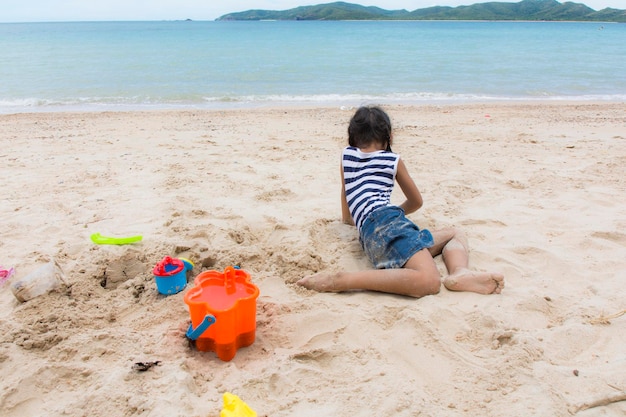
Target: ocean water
x=130, y=65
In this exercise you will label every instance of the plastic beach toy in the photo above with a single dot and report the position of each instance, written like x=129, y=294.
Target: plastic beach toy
x=170, y=275
x=98, y=239
x=235, y=407
x=188, y=264
x=5, y=274
x=222, y=307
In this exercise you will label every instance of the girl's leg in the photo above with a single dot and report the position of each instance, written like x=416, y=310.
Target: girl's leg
x=420, y=275
x=452, y=245
x=418, y=278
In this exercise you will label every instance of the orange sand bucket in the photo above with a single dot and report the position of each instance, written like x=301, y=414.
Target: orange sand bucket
x=222, y=307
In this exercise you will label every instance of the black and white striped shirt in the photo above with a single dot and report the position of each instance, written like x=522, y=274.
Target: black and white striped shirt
x=368, y=179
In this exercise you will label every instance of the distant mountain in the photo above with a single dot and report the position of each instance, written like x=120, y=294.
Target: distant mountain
x=524, y=10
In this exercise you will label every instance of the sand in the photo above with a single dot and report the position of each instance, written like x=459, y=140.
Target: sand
x=539, y=188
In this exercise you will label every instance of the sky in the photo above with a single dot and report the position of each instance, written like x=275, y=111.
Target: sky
x=89, y=10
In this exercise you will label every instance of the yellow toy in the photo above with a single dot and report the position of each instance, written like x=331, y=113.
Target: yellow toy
x=234, y=407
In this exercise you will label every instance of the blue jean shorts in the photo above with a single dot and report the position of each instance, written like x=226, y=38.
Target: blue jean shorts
x=390, y=239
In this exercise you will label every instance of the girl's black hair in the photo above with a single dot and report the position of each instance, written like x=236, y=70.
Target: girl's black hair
x=369, y=125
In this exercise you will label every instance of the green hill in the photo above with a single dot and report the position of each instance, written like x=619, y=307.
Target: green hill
x=532, y=10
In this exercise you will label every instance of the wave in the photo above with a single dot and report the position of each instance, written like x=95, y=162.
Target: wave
x=8, y=105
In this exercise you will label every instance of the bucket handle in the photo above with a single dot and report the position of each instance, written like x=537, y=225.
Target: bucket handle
x=194, y=334
x=229, y=279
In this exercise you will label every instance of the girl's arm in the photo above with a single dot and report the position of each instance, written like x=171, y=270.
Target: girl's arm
x=346, y=216
x=413, y=196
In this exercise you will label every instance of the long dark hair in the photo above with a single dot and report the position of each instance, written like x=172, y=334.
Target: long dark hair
x=369, y=125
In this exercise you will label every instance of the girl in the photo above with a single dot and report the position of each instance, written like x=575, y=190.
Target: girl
x=400, y=251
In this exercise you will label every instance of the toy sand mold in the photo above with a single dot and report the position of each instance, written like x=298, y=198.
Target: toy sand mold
x=222, y=307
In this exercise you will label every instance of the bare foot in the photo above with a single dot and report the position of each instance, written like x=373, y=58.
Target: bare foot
x=480, y=282
x=322, y=282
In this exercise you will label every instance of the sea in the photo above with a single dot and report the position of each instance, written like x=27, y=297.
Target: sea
x=233, y=64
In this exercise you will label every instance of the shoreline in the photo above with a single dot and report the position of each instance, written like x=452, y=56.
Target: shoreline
x=303, y=104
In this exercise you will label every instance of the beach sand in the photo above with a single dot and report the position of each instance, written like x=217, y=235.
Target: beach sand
x=539, y=188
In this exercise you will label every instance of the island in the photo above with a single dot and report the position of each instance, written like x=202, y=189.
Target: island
x=525, y=10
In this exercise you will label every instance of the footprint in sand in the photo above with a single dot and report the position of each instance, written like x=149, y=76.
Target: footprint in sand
x=616, y=237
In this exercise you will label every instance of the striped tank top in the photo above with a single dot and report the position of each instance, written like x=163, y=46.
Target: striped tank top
x=368, y=179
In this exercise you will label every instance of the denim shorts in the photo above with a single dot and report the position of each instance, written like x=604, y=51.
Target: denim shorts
x=390, y=239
